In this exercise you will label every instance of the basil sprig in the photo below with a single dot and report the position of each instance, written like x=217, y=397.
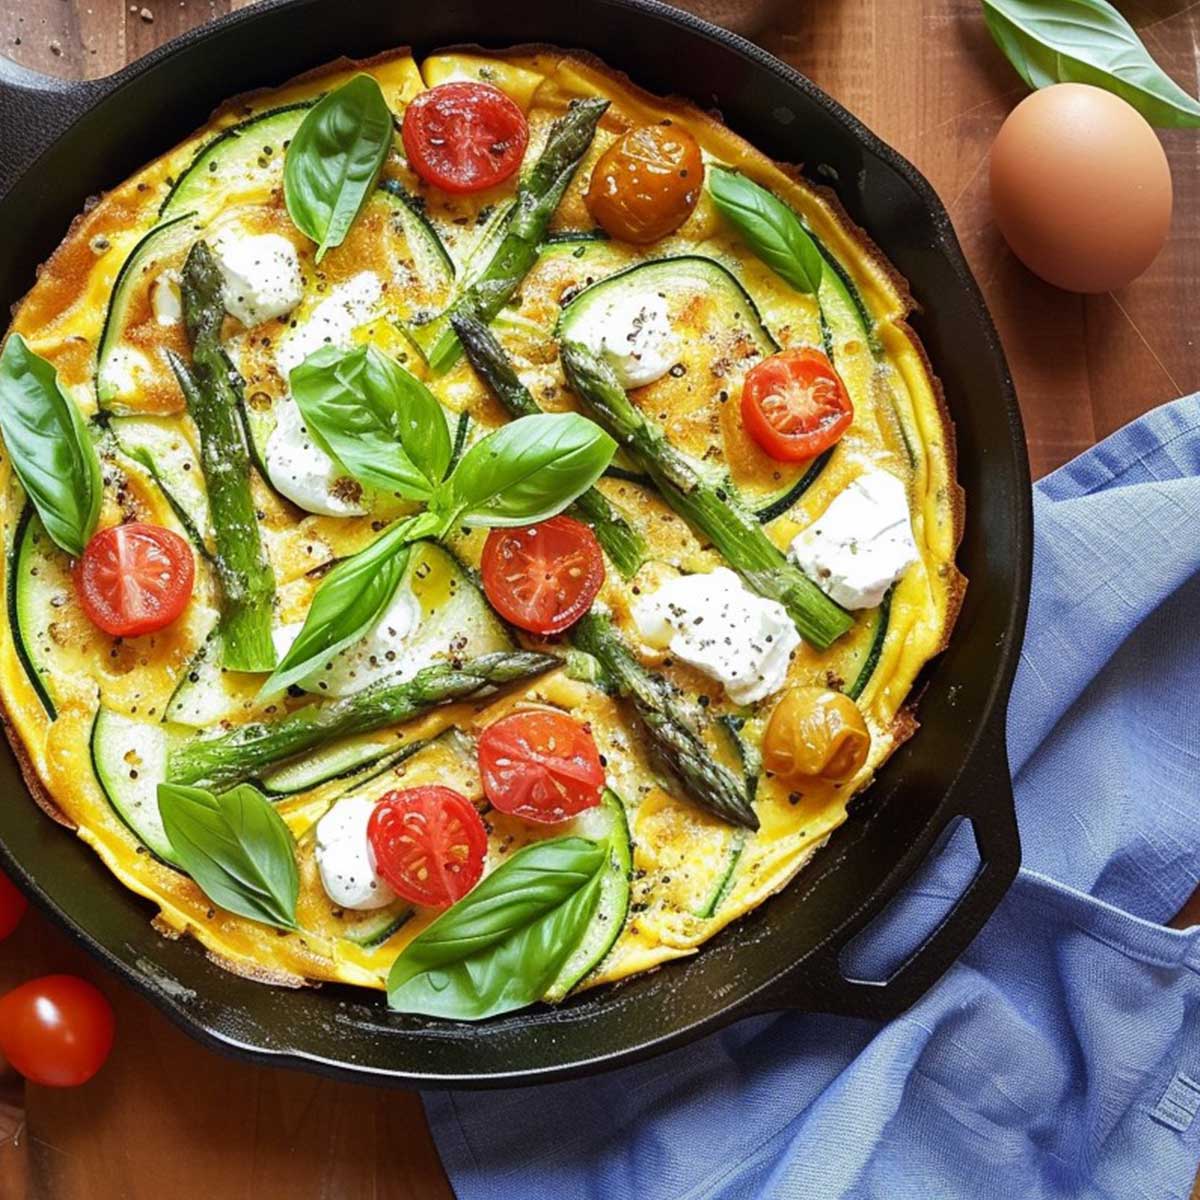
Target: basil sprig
x=333, y=160
x=526, y=471
x=236, y=847
x=503, y=944
x=771, y=230
x=381, y=423
x=1087, y=41
x=48, y=444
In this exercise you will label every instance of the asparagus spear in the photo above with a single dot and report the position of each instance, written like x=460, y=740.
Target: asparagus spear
x=250, y=749
x=621, y=542
x=210, y=390
x=670, y=726
x=538, y=195
x=709, y=508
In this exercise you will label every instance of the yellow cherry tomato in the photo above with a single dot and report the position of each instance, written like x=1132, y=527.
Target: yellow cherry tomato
x=815, y=733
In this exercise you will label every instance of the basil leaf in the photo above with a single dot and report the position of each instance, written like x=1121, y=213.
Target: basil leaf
x=502, y=945
x=236, y=847
x=769, y=228
x=50, y=449
x=383, y=425
x=526, y=471
x=1087, y=41
x=349, y=600
x=333, y=159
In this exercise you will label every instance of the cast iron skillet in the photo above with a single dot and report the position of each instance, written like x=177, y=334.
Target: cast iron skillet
x=61, y=143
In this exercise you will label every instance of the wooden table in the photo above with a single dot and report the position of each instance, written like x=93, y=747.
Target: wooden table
x=168, y=1118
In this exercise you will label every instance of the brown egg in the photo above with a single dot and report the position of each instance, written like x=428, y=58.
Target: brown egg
x=1081, y=189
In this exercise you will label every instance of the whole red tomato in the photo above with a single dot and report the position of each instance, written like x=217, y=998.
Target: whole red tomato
x=56, y=1030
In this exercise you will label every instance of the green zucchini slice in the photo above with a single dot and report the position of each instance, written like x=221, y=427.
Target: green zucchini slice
x=371, y=929
x=878, y=619
x=689, y=274
x=431, y=259
x=607, y=821
x=38, y=576
x=165, y=240
x=130, y=760
x=236, y=159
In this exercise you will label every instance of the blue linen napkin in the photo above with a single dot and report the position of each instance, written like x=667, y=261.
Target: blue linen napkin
x=1060, y=1057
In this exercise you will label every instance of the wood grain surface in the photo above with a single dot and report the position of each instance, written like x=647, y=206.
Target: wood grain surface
x=167, y=1118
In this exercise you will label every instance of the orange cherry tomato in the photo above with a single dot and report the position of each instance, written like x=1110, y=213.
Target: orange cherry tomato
x=429, y=844
x=56, y=1030
x=795, y=405
x=543, y=577
x=135, y=578
x=463, y=137
x=646, y=183
x=12, y=906
x=540, y=765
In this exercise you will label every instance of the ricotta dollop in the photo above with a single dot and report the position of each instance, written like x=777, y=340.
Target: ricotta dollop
x=861, y=544
x=633, y=334
x=260, y=276
x=302, y=471
x=344, y=857
x=715, y=623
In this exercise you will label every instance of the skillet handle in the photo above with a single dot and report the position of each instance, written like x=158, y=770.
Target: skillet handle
x=818, y=981
x=34, y=110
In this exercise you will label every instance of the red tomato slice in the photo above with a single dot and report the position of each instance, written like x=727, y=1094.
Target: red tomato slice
x=57, y=1030
x=795, y=405
x=543, y=577
x=12, y=906
x=464, y=137
x=135, y=578
x=429, y=844
x=540, y=765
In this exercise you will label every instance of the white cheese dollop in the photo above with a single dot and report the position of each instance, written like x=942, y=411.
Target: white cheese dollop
x=124, y=372
x=381, y=652
x=633, y=334
x=301, y=470
x=166, y=299
x=345, y=859
x=715, y=623
x=861, y=544
x=260, y=276
x=348, y=305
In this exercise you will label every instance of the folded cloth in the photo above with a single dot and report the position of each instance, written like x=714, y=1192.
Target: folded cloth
x=1060, y=1056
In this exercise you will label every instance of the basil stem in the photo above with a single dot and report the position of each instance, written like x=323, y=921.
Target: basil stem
x=713, y=511
x=210, y=388
x=237, y=848
x=769, y=227
x=502, y=945
x=247, y=751
x=49, y=446
x=621, y=542
x=538, y=195
x=334, y=158
x=1087, y=41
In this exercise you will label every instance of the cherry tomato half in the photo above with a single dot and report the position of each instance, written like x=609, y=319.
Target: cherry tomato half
x=543, y=577
x=429, y=844
x=540, y=765
x=135, y=578
x=795, y=405
x=12, y=906
x=463, y=137
x=56, y=1030
x=646, y=183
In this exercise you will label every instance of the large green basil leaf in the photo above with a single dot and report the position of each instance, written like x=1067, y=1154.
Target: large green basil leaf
x=1087, y=41
x=382, y=424
x=237, y=849
x=526, y=471
x=334, y=158
x=769, y=228
x=502, y=945
x=349, y=600
x=49, y=446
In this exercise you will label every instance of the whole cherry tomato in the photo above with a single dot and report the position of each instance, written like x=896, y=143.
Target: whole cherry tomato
x=56, y=1030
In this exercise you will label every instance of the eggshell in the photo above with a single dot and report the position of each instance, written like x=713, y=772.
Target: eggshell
x=1081, y=189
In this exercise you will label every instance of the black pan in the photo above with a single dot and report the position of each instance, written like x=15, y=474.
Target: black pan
x=61, y=143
